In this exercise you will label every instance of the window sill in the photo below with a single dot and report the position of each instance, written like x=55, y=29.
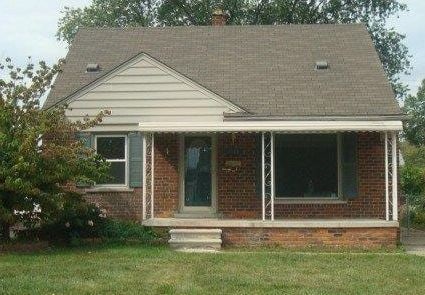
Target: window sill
x=106, y=189
x=309, y=201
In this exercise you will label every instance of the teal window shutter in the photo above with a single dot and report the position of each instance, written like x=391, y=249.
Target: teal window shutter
x=87, y=139
x=135, y=159
x=349, y=165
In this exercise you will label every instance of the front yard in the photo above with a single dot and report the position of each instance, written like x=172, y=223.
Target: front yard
x=157, y=270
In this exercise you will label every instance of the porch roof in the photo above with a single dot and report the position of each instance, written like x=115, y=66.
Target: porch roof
x=277, y=126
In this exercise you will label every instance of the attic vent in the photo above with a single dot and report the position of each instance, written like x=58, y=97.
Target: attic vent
x=322, y=65
x=92, y=68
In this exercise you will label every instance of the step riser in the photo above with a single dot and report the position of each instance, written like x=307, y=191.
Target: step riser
x=196, y=239
x=182, y=245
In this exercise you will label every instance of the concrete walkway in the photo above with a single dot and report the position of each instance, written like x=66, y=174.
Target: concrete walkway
x=413, y=241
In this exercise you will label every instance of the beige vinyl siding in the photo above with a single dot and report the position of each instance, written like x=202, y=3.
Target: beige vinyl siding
x=145, y=92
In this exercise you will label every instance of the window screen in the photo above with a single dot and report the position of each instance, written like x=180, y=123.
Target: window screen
x=306, y=165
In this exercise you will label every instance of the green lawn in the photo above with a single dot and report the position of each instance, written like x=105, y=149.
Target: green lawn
x=139, y=270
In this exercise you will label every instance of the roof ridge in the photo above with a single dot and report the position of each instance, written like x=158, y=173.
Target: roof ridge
x=128, y=28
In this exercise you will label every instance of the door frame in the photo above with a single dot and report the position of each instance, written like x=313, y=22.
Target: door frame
x=213, y=207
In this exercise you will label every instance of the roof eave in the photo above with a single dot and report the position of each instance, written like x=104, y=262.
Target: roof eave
x=251, y=117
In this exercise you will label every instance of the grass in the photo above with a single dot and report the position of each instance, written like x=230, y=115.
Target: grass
x=157, y=270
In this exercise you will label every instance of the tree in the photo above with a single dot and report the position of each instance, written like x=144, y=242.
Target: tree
x=374, y=13
x=39, y=154
x=414, y=127
x=413, y=171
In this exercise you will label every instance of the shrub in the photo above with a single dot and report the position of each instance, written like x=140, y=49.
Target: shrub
x=77, y=220
x=80, y=220
x=414, y=211
x=124, y=231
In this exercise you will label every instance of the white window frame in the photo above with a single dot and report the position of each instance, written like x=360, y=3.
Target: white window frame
x=115, y=160
x=339, y=177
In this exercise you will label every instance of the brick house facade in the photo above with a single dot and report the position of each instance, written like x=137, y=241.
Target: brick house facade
x=237, y=195
x=274, y=134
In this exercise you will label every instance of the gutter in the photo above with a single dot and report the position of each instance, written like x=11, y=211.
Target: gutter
x=250, y=117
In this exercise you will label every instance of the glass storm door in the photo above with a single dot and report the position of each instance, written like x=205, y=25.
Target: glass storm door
x=197, y=171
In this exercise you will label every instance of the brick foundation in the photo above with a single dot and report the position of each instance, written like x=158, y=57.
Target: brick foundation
x=364, y=238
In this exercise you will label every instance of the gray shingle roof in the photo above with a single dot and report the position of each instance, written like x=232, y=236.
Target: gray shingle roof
x=266, y=70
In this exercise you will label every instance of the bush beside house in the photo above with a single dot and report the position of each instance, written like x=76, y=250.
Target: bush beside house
x=40, y=156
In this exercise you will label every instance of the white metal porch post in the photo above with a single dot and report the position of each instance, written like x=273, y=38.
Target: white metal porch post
x=144, y=175
x=152, y=173
x=268, y=177
x=394, y=175
x=272, y=192
x=263, y=175
x=387, y=200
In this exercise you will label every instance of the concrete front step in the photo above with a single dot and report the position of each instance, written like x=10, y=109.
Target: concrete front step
x=190, y=239
x=191, y=244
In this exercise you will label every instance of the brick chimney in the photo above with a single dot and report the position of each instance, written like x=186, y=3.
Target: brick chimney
x=219, y=17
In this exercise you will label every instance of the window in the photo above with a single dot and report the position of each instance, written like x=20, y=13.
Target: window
x=307, y=166
x=114, y=149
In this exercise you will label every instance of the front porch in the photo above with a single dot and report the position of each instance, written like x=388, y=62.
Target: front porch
x=238, y=181
x=349, y=197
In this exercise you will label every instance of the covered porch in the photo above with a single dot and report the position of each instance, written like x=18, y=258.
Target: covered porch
x=243, y=186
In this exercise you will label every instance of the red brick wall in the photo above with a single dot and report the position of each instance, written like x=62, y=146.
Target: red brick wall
x=365, y=238
x=237, y=196
x=121, y=205
x=166, y=175
x=236, y=185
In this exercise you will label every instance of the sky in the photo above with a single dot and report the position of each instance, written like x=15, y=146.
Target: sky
x=28, y=27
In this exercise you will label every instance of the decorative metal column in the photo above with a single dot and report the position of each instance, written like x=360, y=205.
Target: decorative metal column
x=391, y=181
x=268, y=181
x=394, y=175
x=148, y=175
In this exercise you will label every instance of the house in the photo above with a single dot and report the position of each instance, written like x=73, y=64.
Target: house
x=268, y=135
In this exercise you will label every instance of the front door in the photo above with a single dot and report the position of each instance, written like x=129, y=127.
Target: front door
x=197, y=171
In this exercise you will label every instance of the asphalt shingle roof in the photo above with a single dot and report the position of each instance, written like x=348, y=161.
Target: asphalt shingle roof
x=266, y=70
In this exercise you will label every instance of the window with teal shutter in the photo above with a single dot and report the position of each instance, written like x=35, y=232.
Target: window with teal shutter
x=114, y=149
x=87, y=139
x=135, y=159
x=349, y=165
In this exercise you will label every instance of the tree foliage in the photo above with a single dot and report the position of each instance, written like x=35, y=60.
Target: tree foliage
x=39, y=154
x=374, y=13
x=414, y=127
x=412, y=179
x=413, y=172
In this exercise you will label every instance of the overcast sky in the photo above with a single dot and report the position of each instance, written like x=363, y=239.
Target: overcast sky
x=28, y=27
